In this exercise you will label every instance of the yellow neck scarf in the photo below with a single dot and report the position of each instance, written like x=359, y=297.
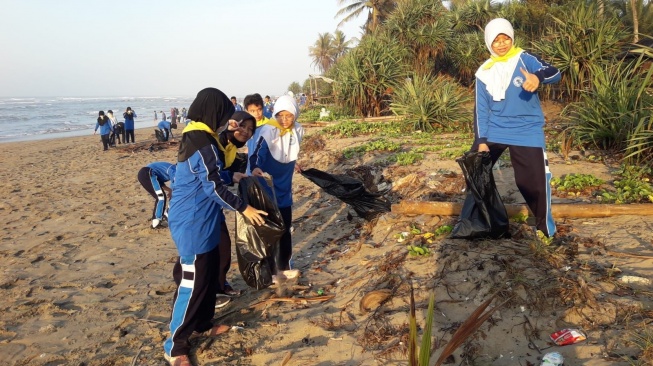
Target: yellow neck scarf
x=199, y=126
x=229, y=151
x=494, y=59
x=262, y=122
x=283, y=131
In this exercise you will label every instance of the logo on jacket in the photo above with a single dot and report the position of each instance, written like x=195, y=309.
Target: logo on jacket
x=518, y=81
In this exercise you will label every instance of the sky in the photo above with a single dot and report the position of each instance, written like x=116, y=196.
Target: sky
x=98, y=48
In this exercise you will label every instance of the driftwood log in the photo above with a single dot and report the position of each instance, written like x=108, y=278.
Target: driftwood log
x=559, y=210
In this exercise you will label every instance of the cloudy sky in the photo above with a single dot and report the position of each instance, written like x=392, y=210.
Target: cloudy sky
x=159, y=48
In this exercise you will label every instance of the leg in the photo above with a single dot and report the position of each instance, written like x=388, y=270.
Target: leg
x=225, y=258
x=153, y=187
x=105, y=141
x=285, y=243
x=533, y=179
x=194, y=301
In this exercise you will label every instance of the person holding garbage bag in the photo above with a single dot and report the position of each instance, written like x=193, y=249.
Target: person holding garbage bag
x=195, y=217
x=275, y=152
x=508, y=115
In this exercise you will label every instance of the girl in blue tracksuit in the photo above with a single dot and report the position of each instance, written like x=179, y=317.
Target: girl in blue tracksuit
x=275, y=152
x=105, y=127
x=508, y=115
x=164, y=127
x=129, y=116
x=153, y=178
x=195, y=218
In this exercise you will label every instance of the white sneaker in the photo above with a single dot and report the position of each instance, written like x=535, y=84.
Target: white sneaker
x=221, y=300
x=155, y=223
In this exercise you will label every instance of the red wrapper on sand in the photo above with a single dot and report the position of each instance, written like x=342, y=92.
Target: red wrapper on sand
x=568, y=336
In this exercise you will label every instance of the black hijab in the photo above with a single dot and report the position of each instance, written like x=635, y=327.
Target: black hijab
x=102, y=119
x=211, y=107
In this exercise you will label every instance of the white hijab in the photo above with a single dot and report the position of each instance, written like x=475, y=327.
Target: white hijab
x=284, y=149
x=497, y=78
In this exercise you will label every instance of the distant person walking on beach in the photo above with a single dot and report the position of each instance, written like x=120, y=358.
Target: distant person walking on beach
x=114, y=122
x=163, y=115
x=129, y=116
x=275, y=152
x=173, y=115
x=183, y=115
x=153, y=178
x=268, y=107
x=104, y=124
x=195, y=218
x=156, y=117
x=508, y=115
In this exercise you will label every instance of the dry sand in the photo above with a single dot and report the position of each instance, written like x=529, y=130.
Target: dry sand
x=85, y=281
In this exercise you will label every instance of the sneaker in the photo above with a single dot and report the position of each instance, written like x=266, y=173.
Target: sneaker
x=155, y=223
x=230, y=291
x=221, y=300
x=182, y=360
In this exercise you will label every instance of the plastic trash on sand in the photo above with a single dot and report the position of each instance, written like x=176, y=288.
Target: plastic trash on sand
x=257, y=247
x=351, y=191
x=552, y=359
x=565, y=337
x=483, y=214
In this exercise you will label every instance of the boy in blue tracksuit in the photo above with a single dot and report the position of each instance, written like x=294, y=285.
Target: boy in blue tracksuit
x=165, y=128
x=254, y=106
x=153, y=178
x=508, y=115
x=195, y=218
x=129, y=116
x=104, y=124
x=275, y=152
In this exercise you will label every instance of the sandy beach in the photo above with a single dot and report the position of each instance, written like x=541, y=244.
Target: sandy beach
x=86, y=281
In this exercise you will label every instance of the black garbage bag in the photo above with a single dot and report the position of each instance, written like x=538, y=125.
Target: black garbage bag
x=483, y=214
x=351, y=191
x=257, y=247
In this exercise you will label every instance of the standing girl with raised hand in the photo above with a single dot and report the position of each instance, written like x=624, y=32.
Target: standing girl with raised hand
x=195, y=218
x=275, y=152
x=508, y=115
x=129, y=116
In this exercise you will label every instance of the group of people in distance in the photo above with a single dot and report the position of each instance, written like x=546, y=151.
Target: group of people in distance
x=112, y=130
x=507, y=115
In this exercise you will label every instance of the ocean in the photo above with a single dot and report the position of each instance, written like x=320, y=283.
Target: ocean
x=24, y=119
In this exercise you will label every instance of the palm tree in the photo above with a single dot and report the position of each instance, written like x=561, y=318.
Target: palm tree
x=377, y=11
x=323, y=52
x=340, y=44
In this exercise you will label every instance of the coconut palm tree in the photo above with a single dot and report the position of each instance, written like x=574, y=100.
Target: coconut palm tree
x=340, y=44
x=323, y=52
x=377, y=11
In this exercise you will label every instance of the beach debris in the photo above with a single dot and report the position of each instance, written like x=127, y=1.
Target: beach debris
x=296, y=300
x=471, y=325
x=635, y=280
x=565, y=337
x=373, y=299
x=286, y=358
x=552, y=359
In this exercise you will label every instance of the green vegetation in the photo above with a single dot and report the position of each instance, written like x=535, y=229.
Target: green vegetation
x=633, y=186
x=375, y=145
x=576, y=182
x=408, y=158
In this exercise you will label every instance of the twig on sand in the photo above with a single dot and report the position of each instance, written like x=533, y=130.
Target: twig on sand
x=151, y=321
x=136, y=357
x=286, y=358
x=296, y=300
x=619, y=254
